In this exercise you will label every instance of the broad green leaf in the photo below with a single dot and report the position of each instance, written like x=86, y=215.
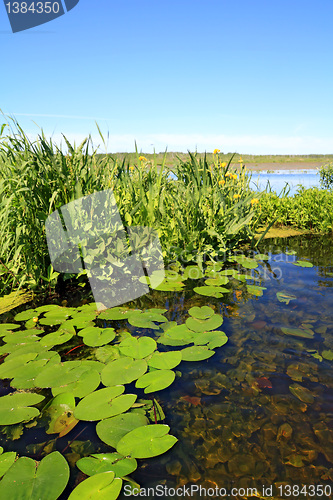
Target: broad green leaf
x=204, y=325
x=302, y=393
x=115, y=314
x=123, y=371
x=146, y=319
x=106, y=462
x=104, y=403
x=303, y=263
x=218, y=281
x=327, y=355
x=137, y=348
x=165, y=360
x=192, y=272
x=103, y=486
x=204, y=312
x=60, y=412
x=7, y=327
x=29, y=480
x=87, y=382
x=18, y=407
x=196, y=353
x=146, y=441
x=211, y=291
x=11, y=367
x=96, y=337
x=155, y=381
x=212, y=339
x=261, y=256
x=256, y=290
x=111, y=430
x=285, y=297
x=6, y=461
x=298, y=332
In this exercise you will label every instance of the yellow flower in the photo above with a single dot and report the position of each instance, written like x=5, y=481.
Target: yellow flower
x=236, y=196
x=142, y=158
x=222, y=182
x=131, y=168
x=234, y=176
x=35, y=319
x=254, y=201
x=228, y=174
x=216, y=151
x=240, y=160
x=224, y=164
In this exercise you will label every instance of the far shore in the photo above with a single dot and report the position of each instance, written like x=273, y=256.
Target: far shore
x=283, y=166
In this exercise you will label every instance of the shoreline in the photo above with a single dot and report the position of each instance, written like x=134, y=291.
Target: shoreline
x=282, y=166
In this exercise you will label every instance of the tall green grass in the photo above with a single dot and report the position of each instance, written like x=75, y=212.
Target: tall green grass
x=206, y=210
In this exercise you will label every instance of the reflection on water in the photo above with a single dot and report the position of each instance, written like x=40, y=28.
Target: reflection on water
x=260, y=411
x=278, y=179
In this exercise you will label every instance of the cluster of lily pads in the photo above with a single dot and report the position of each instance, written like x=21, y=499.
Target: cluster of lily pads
x=94, y=389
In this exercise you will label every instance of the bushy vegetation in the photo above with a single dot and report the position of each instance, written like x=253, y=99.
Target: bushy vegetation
x=307, y=209
x=206, y=209
x=326, y=176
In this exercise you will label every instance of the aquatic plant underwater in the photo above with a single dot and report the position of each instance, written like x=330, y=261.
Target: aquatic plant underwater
x=98, y=374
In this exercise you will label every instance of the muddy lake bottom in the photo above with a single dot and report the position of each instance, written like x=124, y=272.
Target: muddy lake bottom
x=258, y=412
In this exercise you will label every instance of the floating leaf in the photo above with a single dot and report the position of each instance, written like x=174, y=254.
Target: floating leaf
x=105, y=462
x=60, y=411
x=196, y=353
x=137, y=348
x=111, y=430
x=302, y=393
x=303, y=263
x=155, y=381
x=6, y=461
x=146, y=319
x=211, y=291
x=165, y=360
x=146, y=441
x=204, y=325
x=290, y=252
x=298, y=332
x=246, y=262
x=192, y=272
x=123, y=371
x=27, y=479
x=104, y=403
x=96, y=337
x=24, y=377
x=103, y=486
x=218, y=281
x=7, y=327
x=327, y=355
x=212, y=339
x=255, y=290
x=115, y=314
x=204, y=312
x=177, y=335
x=285, y=297
x=17, y=407
x=12, y=367
x=261, y=256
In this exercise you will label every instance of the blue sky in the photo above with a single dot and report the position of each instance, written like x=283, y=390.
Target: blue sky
x=252, y=76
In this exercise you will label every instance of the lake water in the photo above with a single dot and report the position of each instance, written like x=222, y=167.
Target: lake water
x=278, y=179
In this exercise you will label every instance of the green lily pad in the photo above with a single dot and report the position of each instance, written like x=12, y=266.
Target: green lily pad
x=327, y=355
x=18, y=407
x=256, y=290
x=165, y=360
x=89, y=381
x=285, y=297
x=204, y=312
x=212, y=339
x=103, y=486
x=111, y=430
x=146, y=441
x=123, y=371
x=261, y=256
x=291, y=252
x=56, y=338
x=176, y=336
x=146, y=319
x=29, y=480
x=218, y=281
x=56, y=317
x=60, y=411
x=105, y=462
x=7, y=327
x=192, y=272
x=24, y=376
x=303, y=263
x=96, y=337
x=104, y=403
x=6, y=461
x=246, y=262
x=11, y=367
x=155, y=381
x=211, y=291
x=137, y=348
x=298, y=332
x=204, y=325
x=107, y=353
x=302, y=393
x=115, y=314
x=196, y=353
x=22, y=337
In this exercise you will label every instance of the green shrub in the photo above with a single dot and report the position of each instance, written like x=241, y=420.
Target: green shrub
x=326, y=176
